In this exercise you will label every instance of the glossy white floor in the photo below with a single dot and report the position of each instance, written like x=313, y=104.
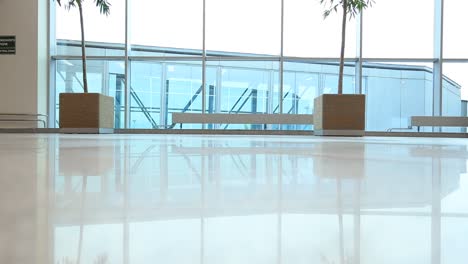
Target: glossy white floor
x=232, y=199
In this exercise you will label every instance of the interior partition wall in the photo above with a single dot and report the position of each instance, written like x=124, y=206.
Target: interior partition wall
x=205, y=56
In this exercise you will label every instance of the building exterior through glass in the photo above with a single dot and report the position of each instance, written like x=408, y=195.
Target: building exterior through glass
x=394, y=92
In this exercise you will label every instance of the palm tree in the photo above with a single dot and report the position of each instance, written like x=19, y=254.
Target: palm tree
x=351, y=7
x=104, y=8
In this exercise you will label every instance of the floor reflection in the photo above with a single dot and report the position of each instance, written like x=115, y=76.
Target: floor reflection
x=225, y=201
x=217, y=199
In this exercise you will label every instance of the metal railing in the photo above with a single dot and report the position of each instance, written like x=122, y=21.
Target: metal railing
x=22, y=117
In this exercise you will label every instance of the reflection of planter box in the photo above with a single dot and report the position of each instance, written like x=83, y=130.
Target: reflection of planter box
x=336, y=161
x=86, y=112
x=340, y=115
x=86, y=161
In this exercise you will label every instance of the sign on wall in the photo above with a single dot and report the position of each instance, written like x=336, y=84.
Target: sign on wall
x=7, y=45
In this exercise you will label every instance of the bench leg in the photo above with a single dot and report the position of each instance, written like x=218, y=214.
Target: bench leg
x=418, y=128
x=180, y=125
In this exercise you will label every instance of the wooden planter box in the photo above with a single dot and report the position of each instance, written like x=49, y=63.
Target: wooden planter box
x=340, y=115
x=86, y=112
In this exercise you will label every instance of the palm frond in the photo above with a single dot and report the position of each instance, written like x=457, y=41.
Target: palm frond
x=104, y=6
x=353, y=7
x=69, y=3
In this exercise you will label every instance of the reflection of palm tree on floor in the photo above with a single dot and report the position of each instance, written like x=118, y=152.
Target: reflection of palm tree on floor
x=101, y=259
x=339, y=205
x=65, y=260
x=325, y=260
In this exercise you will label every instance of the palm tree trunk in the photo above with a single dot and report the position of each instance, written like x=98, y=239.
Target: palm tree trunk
x=343, y=44
x=83, y=49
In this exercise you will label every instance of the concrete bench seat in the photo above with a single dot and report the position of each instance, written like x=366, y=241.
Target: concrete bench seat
x=196, y=118
x=439, y=121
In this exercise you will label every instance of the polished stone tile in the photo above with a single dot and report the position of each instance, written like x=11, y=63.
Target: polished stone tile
x=232, y=199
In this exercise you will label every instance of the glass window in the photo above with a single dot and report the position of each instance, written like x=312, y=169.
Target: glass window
x=161, y=88
x=454, y=91
x=98, y=29
x=242, y=87
x=245, y=26
x=399, y=29
x=184, y=90
x=145, y=94
x=308, y=34
x=395, y=92
x=455, y=40
x=300, y=90
x=159, y=26
x=455, y=73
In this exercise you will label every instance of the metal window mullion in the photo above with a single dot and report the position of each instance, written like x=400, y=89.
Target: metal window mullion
x=163, y=98
x=271, y=87
x=127, y=65
x=204, y=61
x=166, y=58
x=438, y=55
x=255, y=58
x=455, y=60
x=281, y=66
x=321, y=78
x=358, y=67
x=218, y=92
x=105, y=78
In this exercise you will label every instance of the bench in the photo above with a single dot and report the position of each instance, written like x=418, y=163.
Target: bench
x=195, y=118
x=440, y=121
x=15, y=117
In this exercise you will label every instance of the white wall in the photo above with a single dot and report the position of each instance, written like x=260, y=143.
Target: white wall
x=23, y=77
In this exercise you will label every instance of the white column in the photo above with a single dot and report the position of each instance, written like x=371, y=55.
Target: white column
x=51, y=94
x=24, y=75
